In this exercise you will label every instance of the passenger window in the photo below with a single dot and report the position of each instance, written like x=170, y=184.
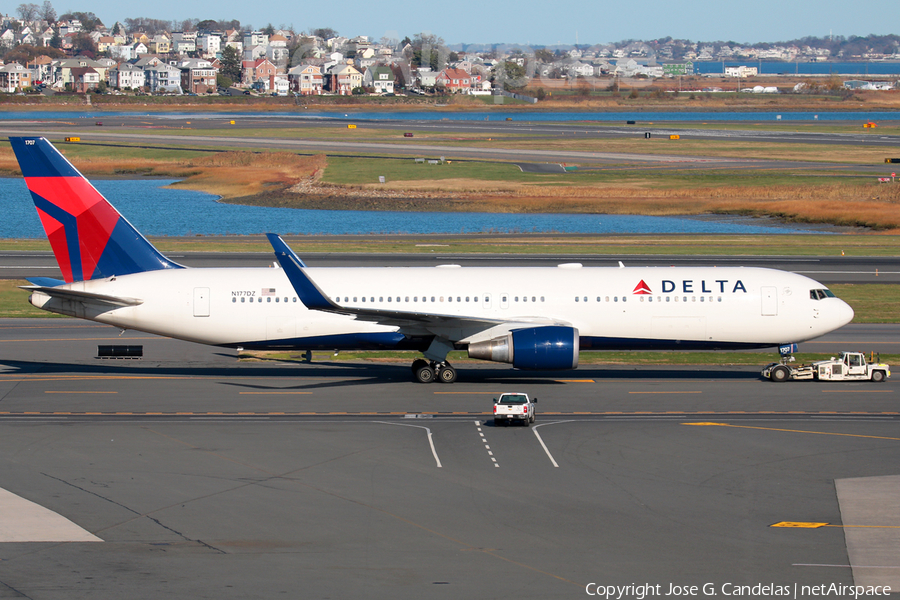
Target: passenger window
x=234, y=299
x=576, y=298
x=277, y=299
x=242, y=300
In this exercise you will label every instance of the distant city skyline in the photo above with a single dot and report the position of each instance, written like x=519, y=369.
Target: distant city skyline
x=531, y=22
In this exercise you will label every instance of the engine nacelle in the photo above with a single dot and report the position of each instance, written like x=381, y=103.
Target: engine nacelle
x=551, y=347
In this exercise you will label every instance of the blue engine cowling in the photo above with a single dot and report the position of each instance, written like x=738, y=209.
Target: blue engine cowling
x=551, y=347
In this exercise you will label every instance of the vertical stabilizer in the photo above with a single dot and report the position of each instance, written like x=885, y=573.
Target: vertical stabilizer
x=89, y=237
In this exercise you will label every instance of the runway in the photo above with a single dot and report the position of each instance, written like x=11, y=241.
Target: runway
x=17, y=264
x=181, y=129
x=207, y=477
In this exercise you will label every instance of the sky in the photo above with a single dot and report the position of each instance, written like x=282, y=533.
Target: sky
x=537, y=22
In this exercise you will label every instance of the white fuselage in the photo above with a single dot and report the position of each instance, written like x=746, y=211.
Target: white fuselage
x=610, y=307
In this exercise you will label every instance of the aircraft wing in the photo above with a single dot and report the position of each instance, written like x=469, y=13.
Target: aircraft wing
x=314, y=298
x=67, y=294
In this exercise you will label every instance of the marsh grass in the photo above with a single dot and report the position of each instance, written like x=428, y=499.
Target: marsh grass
x=266, y=178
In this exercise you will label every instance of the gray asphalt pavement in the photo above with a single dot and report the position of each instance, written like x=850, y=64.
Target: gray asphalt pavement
x=825, y=269
x=191, y=127
x=209, y=478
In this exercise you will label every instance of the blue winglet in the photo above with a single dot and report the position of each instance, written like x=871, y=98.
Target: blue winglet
x=45, y=281
x=308, y=292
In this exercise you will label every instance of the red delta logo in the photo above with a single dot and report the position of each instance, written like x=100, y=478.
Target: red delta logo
x=642, y=289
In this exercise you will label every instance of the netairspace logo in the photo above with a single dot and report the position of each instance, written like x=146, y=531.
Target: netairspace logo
x=640, y=591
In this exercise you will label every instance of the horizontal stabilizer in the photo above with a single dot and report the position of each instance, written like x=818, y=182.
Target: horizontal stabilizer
x=67, y=294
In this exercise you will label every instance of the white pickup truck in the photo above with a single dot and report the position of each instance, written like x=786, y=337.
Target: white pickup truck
x=514, y=407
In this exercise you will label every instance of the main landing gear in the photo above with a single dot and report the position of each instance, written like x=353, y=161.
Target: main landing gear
x=426, y=372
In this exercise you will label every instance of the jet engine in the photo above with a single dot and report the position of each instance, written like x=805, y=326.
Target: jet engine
x=550, y=347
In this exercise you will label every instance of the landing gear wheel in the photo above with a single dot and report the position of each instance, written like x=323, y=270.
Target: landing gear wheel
x=447, y=374
x=780, y=373
x=418, y=364
x=425, y=374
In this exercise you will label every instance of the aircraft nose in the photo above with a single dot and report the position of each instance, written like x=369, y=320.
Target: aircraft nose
x=843, y=313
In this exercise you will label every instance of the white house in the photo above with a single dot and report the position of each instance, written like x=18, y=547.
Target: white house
x=127, y=76
x=379, y=78
x=741, y=71
x=163, y=78
x=209, y=44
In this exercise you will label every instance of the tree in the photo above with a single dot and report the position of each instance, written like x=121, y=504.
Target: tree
x=269, y=30
x=326, y=33
x=223, y=82
x=25, y=53
x=28, y=12
x=83, y=45
x=428, y=50
x=231, y=63
x=510, y=75
x=47, y=12
x=543, y=55
x=89, y=21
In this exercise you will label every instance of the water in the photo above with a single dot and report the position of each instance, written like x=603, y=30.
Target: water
x=87, y=118
x=157, y=211
x=802, y=68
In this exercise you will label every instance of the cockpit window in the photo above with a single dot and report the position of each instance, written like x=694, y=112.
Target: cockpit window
x=820, y=294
